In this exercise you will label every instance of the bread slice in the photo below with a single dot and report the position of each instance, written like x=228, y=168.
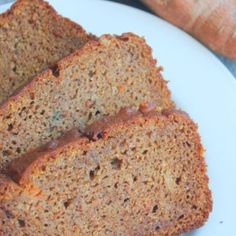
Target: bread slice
x=138, y=173
x=32, y=38
x=98, y=79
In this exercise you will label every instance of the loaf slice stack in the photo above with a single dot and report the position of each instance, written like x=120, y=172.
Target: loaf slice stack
x=137, y=173
x=97, y=79
x=32, y=38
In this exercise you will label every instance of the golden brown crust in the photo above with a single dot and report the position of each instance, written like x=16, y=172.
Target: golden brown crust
x=96, y=129
x=19, y=168
x=99, y=128
x=108, y=38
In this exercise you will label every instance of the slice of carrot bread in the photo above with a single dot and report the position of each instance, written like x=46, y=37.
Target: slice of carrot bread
x=33, y=37
x=99, y=78
x=138, y=173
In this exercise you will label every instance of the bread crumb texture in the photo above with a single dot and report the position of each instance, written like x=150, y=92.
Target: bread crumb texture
x=97, y=79
x=32, y=38
x=143, y=176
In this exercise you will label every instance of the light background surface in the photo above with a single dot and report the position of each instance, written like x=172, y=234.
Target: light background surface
x=230, y=64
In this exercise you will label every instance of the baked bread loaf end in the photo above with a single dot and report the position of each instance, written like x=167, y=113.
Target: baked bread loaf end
x=142, y=173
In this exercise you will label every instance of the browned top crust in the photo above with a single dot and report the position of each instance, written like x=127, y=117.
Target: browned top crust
x=148, y=109
x=21, y=164
x=94, y=131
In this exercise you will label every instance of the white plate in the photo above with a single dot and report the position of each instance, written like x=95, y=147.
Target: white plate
x=200, y=85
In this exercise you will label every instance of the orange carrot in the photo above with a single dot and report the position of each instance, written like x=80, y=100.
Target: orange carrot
x=211, y=21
